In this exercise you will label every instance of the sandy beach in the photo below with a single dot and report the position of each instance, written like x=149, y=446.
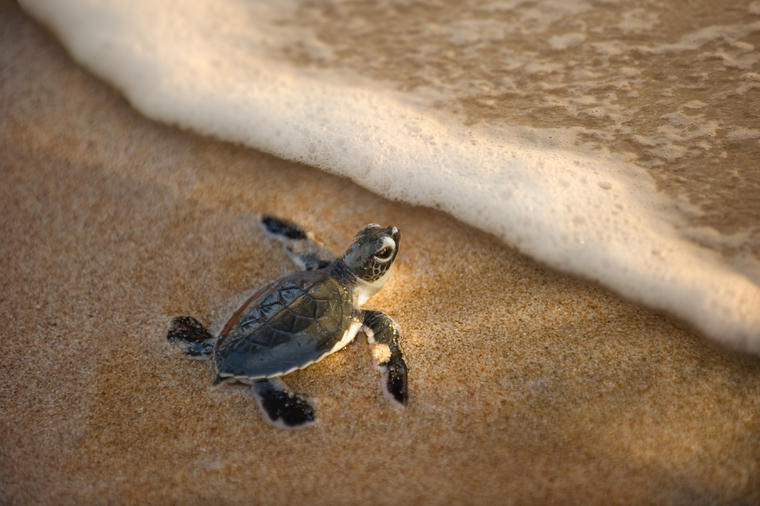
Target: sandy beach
x=527, y=386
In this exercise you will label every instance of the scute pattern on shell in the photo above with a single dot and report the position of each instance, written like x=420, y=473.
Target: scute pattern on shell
x=287, y=325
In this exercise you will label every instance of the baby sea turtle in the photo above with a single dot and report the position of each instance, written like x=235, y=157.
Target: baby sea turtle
x=301, y=318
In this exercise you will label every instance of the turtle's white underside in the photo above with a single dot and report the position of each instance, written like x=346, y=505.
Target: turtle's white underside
x=366, y=289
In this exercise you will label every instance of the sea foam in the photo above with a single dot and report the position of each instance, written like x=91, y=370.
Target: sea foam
x=206, y=66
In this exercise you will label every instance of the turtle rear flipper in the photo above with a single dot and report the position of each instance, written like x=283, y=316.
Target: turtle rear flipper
x=190, y=335
x=307, y=253
x=281, y=407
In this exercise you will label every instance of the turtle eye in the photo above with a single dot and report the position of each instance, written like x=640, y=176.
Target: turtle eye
x=384, y=254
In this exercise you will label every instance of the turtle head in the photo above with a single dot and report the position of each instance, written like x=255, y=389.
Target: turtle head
x=372, y=253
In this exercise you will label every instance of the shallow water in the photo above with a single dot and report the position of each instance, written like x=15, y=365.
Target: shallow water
x=615, y=140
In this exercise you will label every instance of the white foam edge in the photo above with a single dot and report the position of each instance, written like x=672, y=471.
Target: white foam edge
x=573, y=212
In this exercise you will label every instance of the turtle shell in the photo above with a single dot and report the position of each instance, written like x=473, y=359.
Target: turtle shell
x=287, y=325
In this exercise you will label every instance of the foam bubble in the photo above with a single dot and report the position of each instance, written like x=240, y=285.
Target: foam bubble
x=205, y=66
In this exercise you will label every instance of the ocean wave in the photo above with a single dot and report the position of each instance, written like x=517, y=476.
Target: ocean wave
x=214, y=67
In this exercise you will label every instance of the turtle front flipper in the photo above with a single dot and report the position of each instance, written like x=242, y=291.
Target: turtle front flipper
x=281, y=407
x=188, y=333
x=383, y=335
x=307, y=253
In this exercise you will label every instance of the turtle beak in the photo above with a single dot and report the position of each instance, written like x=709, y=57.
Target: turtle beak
x=395, y=234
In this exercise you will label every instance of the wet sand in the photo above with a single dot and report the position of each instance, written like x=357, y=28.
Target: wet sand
x=526, y=385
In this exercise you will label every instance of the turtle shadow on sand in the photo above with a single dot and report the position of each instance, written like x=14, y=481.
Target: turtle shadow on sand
x=301, y=318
